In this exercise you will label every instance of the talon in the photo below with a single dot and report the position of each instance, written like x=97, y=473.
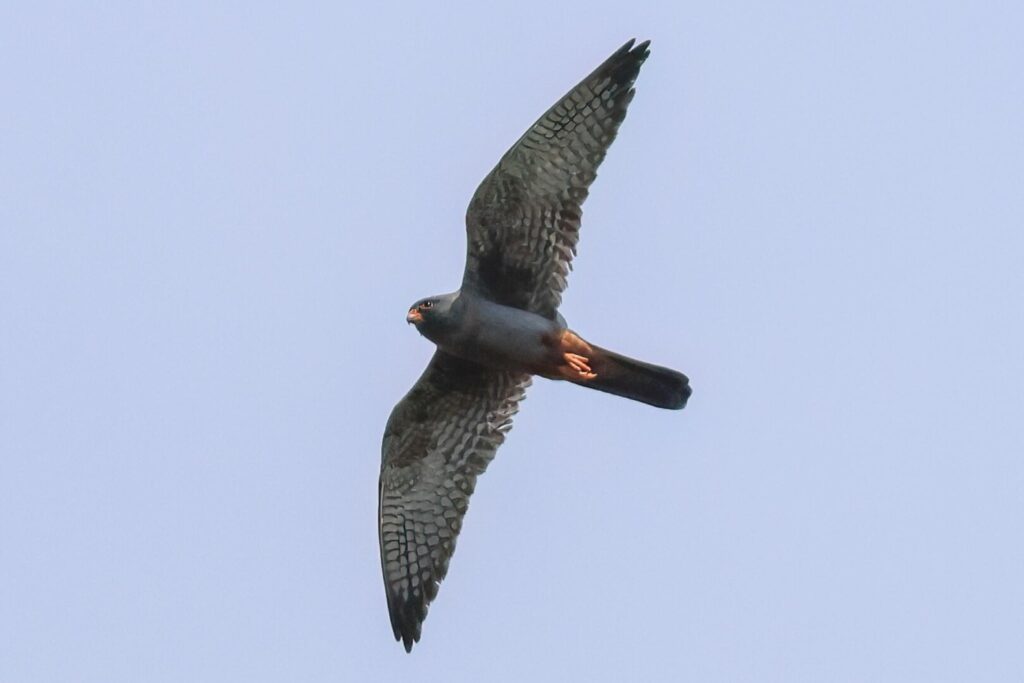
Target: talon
x=579, y=364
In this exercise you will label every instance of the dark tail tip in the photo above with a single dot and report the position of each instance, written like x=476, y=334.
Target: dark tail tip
x=678, y=398
x=630, y=378
x=662, y=387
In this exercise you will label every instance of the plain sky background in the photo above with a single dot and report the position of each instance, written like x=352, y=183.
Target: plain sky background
x=213, y=218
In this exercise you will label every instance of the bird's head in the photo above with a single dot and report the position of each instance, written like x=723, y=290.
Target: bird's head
x=431, y=313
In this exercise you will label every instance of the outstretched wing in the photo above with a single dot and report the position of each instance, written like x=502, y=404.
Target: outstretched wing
x=523, y=222
x=439, y=438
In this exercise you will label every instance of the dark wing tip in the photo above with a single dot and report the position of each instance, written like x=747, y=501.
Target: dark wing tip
x=624, y=64
x=622, y=68
x=627, y=59
x=628, y=47
x=407, y=641
x=406, y=619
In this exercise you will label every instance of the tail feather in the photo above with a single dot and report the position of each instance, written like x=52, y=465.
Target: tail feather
x=634, y=379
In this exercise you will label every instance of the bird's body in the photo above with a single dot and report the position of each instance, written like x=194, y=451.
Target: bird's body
x=499, y=330
x=474, y=328
x=496, y=336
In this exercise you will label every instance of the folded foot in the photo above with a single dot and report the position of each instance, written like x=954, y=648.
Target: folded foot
x=580, y=364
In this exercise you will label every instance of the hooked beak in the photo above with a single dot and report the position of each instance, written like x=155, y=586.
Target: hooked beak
x=414, y=317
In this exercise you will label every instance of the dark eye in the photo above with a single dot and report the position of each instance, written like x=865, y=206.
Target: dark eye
x=427, y=304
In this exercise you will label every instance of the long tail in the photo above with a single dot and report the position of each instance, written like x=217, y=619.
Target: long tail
x=630, y=378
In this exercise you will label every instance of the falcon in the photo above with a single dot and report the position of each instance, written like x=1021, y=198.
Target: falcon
x=499, y=330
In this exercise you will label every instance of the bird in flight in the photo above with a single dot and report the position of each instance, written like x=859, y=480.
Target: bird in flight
x=501, y=328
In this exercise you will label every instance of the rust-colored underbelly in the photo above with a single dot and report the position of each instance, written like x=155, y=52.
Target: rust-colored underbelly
x=572, y=354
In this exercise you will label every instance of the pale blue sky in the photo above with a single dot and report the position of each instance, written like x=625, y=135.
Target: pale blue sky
x=212, y=220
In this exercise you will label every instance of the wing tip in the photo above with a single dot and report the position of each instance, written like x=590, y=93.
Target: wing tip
x=638, y=51
x=628, y=46
x=624, y=65
x=406, y=620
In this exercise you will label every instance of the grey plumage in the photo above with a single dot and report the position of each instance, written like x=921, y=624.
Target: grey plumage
x=498, y=330
x=523, y=222
x=439, y=438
